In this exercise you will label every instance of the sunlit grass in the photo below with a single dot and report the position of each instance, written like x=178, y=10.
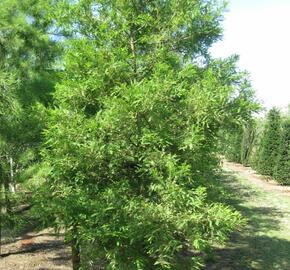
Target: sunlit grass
x=264, y=244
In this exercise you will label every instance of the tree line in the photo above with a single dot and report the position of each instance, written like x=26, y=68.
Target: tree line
x=263, y=144
x=110, y=115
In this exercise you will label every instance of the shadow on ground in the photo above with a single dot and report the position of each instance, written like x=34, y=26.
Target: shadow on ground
x=47, y=254
x=252, y=248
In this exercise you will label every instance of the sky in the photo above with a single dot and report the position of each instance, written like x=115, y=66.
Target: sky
x=259, y=31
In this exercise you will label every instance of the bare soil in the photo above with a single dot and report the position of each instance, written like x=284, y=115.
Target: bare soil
x=42, y=250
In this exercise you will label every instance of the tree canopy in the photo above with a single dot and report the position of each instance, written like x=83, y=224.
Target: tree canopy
x=125, y=104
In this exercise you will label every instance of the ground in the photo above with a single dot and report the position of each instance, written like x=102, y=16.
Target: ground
x=42, y=250
x=264, y=244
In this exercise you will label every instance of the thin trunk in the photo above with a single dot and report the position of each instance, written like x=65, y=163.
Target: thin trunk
x=7, y=195
x=132, y=44
x=75, y=249
x=11, y=184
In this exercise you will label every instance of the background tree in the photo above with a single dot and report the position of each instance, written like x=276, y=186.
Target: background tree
x=27, y=78
x=282, y=168
x=231, y=142
x=248, y=142
x=270, y=143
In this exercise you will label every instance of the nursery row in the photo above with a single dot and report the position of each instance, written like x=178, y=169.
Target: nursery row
x=263, y=144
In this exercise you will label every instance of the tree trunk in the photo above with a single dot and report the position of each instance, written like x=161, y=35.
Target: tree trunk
x=133, y=50
x=7, y=195
x=11, y=184
x=76, y=258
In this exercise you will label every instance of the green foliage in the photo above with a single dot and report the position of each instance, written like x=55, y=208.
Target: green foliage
x=270, y=143
x=282, y=168
x=134, y=132
x=231, y=142
x=263, y=144
x=27, y=56
x=132, y=136
x=26, y=78
x=248, y=142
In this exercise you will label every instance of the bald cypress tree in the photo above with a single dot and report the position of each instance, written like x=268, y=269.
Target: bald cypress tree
x=134, y=132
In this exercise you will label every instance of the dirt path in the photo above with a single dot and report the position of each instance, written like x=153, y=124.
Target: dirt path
x=258, y=180
x=36, y=251
x=264, y=244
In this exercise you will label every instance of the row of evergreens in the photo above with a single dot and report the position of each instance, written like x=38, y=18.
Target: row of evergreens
x=110, y=113
x=263, y=144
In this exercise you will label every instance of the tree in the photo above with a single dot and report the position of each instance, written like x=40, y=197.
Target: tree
x=231, y=143
x=248, y=142
x=27, y=78
x=282, y=168
x=270, y=143
x=134, y=132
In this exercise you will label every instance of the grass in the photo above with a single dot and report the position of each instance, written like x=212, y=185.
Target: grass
x=264, y=243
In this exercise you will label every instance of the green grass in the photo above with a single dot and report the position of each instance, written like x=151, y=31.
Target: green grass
x=264, y=243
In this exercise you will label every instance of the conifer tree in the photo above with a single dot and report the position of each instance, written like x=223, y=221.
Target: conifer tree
x=282, y=168
x=27, y=78
x=134, y=132
x=270, y=143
